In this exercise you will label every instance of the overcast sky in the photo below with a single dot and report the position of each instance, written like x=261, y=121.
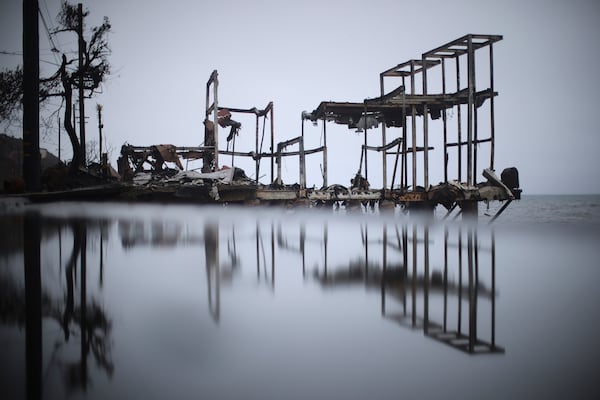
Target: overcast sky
x=298, y=54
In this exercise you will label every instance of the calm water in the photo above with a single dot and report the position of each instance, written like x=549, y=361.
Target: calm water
x=188, y=302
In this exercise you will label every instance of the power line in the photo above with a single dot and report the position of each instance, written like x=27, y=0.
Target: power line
x=53, y=49
x=50, y=62
x=20, y=53
x=46, y=7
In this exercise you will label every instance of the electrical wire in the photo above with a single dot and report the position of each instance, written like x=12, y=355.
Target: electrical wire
x=20, y=53
x=53, y=49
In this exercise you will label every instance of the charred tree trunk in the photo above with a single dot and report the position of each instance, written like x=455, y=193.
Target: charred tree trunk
x=68, y=95
x=69, y=312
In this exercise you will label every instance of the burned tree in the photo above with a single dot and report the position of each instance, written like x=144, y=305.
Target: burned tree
x=83, y=74
x=11, y=92
x=92, y=68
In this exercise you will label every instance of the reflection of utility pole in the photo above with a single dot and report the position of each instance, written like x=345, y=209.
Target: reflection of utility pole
x=33, y=305
x=101, y=255
x=81, y=94
x=31, y=105
x=83, y=304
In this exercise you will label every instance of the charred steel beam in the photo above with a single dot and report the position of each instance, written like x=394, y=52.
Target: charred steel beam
x=253, y=110
x=269, y=155
x=465, y=143
x=411, y=64
x=444, y=123
x=425, y=130
x=478, y=40
x=213, y=108
x=492, y=123
x=387, y=146
x=414, y=129
x=470, y=86
x=417, y=149
x=270, y=109
x=458, y=122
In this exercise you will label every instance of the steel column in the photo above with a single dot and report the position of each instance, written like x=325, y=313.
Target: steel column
x=492, y=123
x=471, y=88
x=383, y=141
x=414, y=128
x=459, y=121
x=444, y=122
x=325, y=151
x=425, y=127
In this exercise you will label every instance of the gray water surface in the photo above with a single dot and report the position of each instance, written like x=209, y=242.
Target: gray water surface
x=149, y=301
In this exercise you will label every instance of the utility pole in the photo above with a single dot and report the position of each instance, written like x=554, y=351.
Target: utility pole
x=60, y=159
x=81, y=94
x=100, y=126
x=31, y=102
x=75, y=120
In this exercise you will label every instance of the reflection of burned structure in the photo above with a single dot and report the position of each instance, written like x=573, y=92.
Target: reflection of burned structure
x=452, y=300
x=446, y=309
x=445, y=83
x=213, y=269
x=438, y=291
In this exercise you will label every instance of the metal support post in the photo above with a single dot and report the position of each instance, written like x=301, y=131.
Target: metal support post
x=471, y=105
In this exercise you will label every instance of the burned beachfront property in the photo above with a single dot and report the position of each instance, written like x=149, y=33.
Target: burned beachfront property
x=439, y=114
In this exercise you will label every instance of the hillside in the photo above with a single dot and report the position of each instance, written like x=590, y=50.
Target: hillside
x=11, y=158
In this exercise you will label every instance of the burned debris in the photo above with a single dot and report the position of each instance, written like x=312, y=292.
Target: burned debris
x=440, y=86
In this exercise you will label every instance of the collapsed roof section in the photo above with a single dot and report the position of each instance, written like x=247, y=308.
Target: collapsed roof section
x=391, y=107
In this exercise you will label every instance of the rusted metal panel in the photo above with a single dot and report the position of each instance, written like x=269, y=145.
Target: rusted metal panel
x=410, y=197
x=168, y=152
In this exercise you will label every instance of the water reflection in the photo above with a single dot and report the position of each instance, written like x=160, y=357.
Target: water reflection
x=432, y=285
x=446, y=310
x=80, y=316
x=429, y=278
x=88, y=320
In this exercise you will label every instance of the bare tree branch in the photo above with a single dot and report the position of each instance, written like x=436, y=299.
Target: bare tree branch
x=65, y=80
x=11, y=92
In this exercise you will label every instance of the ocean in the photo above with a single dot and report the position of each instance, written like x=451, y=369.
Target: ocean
x=550, y=209
x=108, y=300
